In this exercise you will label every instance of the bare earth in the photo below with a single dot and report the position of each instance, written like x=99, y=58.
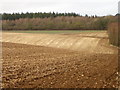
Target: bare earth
x=59, y=61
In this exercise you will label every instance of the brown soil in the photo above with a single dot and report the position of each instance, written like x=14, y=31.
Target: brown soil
x=30, y=66
x=84, y=60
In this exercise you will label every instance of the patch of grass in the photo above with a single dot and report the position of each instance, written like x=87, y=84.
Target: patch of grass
x=54, y=31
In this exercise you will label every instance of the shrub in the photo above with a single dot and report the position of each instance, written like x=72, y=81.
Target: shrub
x=114, y=34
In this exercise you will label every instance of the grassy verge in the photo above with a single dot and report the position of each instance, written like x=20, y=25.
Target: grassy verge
x=54, y=31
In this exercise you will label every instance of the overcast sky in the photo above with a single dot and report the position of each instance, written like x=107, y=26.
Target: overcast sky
x=90, y=7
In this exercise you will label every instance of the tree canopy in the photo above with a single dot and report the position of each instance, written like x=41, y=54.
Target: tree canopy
x=14, y=16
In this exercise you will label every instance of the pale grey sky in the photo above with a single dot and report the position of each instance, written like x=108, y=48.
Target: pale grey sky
x=90, y=7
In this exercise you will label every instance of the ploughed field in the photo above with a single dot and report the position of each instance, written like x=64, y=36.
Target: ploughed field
x=79, y=60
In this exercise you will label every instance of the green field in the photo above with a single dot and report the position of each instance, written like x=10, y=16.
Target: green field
x=54, y=31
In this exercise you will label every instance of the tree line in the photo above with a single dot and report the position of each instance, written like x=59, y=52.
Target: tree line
x=54, y=21
x=58, y=23
x=14, y=16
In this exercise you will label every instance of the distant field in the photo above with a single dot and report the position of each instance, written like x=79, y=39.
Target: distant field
x=80, y=41
x=55, y=31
